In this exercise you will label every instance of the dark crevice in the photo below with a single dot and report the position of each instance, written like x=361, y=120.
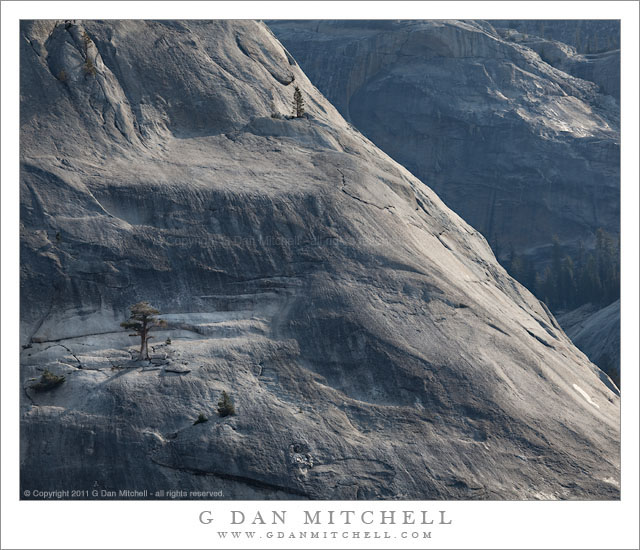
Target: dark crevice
x=421, y=205
x=358, y=198
x=541, y=340
x=56, y=341
x=285, y=80
x=442, y=242
x=289, y=57
x=497, y=328
x=547, y=328
x=553, y=320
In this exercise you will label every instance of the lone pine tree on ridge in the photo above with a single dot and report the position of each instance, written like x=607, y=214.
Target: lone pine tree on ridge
x=298, y=103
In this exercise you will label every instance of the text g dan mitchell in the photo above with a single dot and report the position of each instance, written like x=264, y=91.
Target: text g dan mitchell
x=328, y=517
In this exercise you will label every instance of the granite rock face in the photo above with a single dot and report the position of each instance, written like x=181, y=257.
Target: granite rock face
x=589, y=50
x=373, y=346
x=597, y=333
x=519, y=134
x=588, y=36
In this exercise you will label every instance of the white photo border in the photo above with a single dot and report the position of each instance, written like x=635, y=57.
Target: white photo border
x=104, y=524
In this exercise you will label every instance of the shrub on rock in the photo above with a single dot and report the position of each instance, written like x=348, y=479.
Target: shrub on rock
x=225, y=405
x=201, y=418
x=48, y=381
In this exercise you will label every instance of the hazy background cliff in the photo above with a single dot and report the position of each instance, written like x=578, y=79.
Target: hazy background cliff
x=372, y=343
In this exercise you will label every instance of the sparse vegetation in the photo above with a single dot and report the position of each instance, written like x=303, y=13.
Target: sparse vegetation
x=298, y=103
x=201, y=418
x=62, y=75
x=570, y=281
x=143, y=318
x=225, y=405
x=274, y=111
x=86, y=40
x=89, y=67
x=48, y=381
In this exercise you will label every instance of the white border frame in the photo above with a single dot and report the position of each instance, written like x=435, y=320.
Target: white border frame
x=103, y=524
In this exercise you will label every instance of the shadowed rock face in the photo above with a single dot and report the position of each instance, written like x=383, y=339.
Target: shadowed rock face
x=494, y=121
x=372, y=344
x=597, y=333
x=588, y=36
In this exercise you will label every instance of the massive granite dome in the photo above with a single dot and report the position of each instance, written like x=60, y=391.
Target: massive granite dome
x=372, y=344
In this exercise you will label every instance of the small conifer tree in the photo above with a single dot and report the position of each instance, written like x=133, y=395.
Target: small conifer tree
x=201, y=419
x=298, y=103
x=142, y=320
x=225, y=405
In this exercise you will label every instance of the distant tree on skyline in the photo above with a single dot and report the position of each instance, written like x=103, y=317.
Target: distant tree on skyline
x=298, y=103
